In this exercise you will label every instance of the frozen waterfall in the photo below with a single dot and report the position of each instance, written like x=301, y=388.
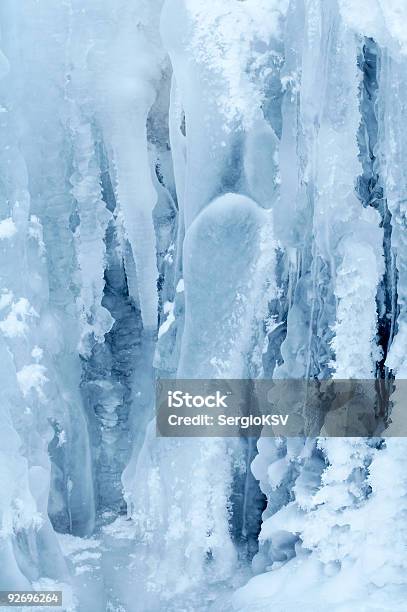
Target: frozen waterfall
x=199, y=190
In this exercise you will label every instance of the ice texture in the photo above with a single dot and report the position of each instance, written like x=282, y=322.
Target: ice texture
x=199, y=189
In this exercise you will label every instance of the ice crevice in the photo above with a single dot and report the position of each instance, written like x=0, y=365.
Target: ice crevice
x=198, y=191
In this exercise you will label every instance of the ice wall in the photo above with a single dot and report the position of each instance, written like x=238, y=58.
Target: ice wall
x=198, y=190
x=326, y=490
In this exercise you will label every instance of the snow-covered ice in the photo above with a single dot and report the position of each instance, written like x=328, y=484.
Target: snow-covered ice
x=199, y=189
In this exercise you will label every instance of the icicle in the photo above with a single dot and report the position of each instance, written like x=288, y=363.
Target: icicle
x=89, y=236
x=54, y=288
x=28, y=545
x=128, y=89
x=342, y=250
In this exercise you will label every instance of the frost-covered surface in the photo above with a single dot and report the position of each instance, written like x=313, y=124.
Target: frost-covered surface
x=199, y=189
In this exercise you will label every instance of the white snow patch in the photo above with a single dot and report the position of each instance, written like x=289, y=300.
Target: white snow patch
x=169, y=311
x=7, y=228
x=61, y=438
x=35, y=232
x=37, y=353
x=6, y=298
x=86, y=555
x=72, y=544
x=82, y=569
x=32, y=377
x=15, y=324
x=383, y=20
x=224, y=31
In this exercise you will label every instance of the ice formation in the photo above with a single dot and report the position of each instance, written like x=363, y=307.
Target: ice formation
x=206, y=190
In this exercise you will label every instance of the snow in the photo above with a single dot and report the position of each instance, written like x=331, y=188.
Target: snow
x=7, y=228
x=223, y=35
x=170, y=318
x=32, y=377
x=383, y=20
x=72, y=545
x=17, y=320
x=6, y=298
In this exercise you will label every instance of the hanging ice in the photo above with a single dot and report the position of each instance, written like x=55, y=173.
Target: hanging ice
x=202, y=190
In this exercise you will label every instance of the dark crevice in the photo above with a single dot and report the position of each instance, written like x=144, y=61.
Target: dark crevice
x=370, y=192
x=107, y=375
